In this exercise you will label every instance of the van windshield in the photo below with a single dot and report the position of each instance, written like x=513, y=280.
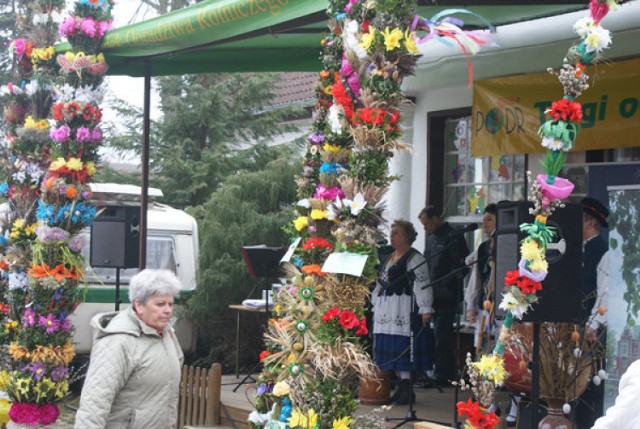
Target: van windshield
x=161, y=254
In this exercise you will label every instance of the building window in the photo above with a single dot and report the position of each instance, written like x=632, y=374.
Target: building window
x=472, y=183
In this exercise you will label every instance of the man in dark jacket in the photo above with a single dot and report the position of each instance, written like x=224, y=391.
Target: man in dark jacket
x=445, y=251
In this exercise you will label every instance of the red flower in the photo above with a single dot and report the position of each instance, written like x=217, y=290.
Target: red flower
x=511, y=278
x=313, y=243
x=331, y=314
x=349, y=320
x=362, y=328
x=72, y=108
x=565, y=110
x=529, y=286
x=58, y=111
x=263, y=355
x=87, y=112
x=342, y=98
x=365, y=25
x=475, y=416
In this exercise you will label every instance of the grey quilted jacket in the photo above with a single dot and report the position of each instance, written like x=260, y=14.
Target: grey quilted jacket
x=134, y=375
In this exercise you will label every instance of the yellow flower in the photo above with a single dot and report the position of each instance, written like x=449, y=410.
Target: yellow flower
x=342, y=423
x=491, y=368
x=29, y=123
x=5, y=378
x=539, y=265
x=367, y=39
x=291, y=358
x=70, y=56
x=31, y=229
x=57, y=164
x=319, y=214
x=392, y=38
x=297, y=419
x=410, y=43
x=5, y=406
x=22, y=385
x=74, y=164
x=281, y=388
x=312, y=419
x=530, y=250
x=42, y=124
x=331, y=148
x=61, y=389
x=91, y=168
x=301, y=222
x=100, y=58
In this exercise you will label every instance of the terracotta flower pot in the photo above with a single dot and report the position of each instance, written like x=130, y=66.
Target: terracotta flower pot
x=375, y=391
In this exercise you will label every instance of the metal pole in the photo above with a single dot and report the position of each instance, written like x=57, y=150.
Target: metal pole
x=142, y=263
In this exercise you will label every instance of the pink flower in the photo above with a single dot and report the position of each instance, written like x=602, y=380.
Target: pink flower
x=88, y=27
x=83, y=134
x=29, y=318
x=20, y=47
x=559, y=188
x=60, y=134
x=103, y=27
x=68, y=26
x=354, y=84
x=96, y=134
x=50, y=323
x=31, y=414
x=347, y=69
x=598, y=10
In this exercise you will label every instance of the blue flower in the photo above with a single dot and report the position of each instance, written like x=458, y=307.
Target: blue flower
x=4, y=189
x=329, y=168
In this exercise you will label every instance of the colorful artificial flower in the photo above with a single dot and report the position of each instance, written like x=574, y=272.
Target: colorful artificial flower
x=392, y=38
x=301, y=223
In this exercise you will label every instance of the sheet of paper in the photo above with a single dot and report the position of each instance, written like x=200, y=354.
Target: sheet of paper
x=345, y=263
x=287, y=256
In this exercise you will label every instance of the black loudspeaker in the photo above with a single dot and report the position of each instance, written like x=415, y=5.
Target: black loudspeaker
x=560, y=299
x=115, y=237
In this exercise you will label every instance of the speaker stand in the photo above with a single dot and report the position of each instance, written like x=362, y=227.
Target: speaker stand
x=117, y=298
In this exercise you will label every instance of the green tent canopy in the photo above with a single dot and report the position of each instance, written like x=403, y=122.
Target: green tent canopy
x=268, y=35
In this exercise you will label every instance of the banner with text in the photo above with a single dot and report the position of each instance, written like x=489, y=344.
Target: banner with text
x=507, y=111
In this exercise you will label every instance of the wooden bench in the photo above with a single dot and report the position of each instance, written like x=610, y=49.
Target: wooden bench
x=200, y=396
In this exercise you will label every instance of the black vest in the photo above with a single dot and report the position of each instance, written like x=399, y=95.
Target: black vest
x=593, y=251
x=397, y=281
x=484, y=269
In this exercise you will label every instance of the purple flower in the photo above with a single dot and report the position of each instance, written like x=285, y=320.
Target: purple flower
x=88, y=27
x=61, y=134
x=317, y=138
x=38, y=370
x=83, y=134
x=68, y=26
x=48, y=234
x=76, y=243
x=59, y=373
x=20, y=47
x=262, y=389
x=29, y=318
x=50, y=323
x=96, y=134
x=66, y=325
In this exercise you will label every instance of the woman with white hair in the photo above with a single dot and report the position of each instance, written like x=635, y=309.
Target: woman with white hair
x=134, y=374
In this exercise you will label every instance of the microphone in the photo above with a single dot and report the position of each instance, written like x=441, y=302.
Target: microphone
x=468, y=228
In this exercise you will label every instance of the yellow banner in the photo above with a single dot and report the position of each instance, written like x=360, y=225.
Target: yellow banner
x=507, y=111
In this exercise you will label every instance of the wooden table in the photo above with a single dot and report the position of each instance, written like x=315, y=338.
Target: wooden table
x=239, y=308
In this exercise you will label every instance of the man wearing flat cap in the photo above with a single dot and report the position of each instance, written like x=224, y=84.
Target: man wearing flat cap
x=594, y=285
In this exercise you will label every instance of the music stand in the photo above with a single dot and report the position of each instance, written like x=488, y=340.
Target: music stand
x=262, y=262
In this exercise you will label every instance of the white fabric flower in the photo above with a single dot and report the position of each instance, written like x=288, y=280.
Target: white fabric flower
x=32, y=87
x=551, y=143
x=357, y=204
x=334, y=118
x=65, y=93
x=510, y=303
x=84, y=94
x=351, y=42
x=304, y=203
x=18, y=280
x=583, y=26
x=598, y=39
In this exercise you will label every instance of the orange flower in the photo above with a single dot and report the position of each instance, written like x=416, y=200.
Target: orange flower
x=324, y=74
x=71, y=192
x=49, y=184
x=4, y=265
x=39, y=271
x=313, y=269
x=17, y=352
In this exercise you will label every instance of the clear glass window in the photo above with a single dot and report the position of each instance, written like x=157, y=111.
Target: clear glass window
x=472, y=183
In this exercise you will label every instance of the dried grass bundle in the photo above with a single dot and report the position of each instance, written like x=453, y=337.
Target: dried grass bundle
x=347, y=292
x=342, y=361
x=372, y=194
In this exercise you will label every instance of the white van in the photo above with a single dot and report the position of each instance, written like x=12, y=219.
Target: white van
x=172, y=244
